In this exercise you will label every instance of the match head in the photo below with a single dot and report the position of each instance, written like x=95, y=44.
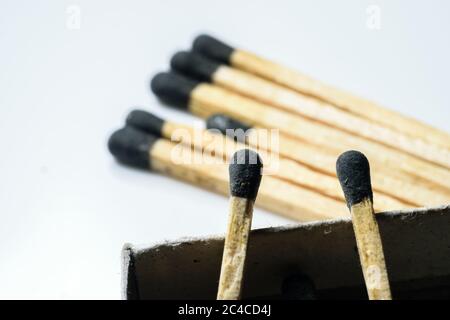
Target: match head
x=173, y=89
x=146, y=122
x=245, y=174
x=223, y=123
x=213, y=48
x=131, y=146
x=353, y=171
x=194, y=65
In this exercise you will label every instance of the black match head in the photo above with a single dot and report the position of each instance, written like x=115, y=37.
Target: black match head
x=173, y=89
x=145, y=121
x=194, y=65
x=245, y=174
x=213, y=48
x=353, y=171
x=131, y=146
x=298, y=287
x=228, y=126
x=222, y=122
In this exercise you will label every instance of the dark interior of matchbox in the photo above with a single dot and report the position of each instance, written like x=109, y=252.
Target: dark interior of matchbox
x=423, y=289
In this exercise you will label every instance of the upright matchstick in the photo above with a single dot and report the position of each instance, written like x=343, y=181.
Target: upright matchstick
x=245, y=177
x=353, y=171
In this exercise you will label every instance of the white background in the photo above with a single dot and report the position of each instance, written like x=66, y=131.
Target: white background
x=67, y=207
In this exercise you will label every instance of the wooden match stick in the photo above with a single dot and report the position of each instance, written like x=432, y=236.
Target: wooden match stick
x=289, y=78
x=298, y=287
x=198, y=67
x=288, y=170
x=204, y=100
x=353, y=171
x=408, y=190
x=138, y=149
x=245, y=176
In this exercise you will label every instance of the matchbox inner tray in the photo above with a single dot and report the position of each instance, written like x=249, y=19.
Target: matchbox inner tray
x=416, y=244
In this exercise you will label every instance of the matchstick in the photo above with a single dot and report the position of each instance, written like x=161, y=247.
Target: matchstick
x=288, y=170
x=138, y=149
x=353, y=171
x=203, y=100
x=198, y=67
x=289, y=78
x=410, y=191
x=298, y=287
x=245, y=176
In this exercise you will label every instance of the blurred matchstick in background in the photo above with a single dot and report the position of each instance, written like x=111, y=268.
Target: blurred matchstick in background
x=293, y=172
x=200, y=68
x=203, y=99
x=408, y=190
x=247, y=61
x=142, y=150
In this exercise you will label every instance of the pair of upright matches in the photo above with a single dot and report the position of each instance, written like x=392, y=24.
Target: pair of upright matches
x=353, y=172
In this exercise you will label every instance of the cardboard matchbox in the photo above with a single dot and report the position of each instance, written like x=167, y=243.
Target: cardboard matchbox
x=416, y=244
